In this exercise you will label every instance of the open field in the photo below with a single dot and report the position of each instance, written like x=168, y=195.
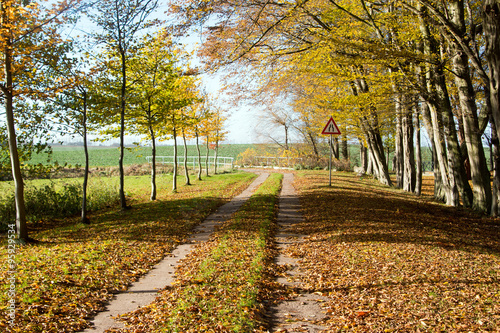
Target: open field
x=108, y=156
x=101, y=156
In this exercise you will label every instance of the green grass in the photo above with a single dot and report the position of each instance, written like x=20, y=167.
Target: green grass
x=108, y=156
x=74, y=269
x=220, y=284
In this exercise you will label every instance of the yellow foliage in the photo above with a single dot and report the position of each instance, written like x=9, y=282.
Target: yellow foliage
x=247, y=157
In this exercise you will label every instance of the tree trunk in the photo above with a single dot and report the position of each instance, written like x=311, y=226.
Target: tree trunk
x=495, y=153
x=457, y=168
x=207, y=157
x=491, y=24
x=313, y=143
x=84, y=218
x=439, y=109
x=335, y=147
x=7, y=89
x=153, y=162
x=186, y=170
x=200, y=168
x=408, y=151
x=216, y=152
x=174, y=179
x=123, y=202
x=418, y=153
x=480, y=176
x=345, y=148
x=376, y=150
x=369, y=163
x=363, y=156
x=397, y=166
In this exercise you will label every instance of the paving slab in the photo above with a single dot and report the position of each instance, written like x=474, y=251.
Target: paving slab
x=145, y=290
x=303, y=312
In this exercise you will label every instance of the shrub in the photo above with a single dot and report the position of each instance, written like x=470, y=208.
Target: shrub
x=7, y=212
x=246, y=157
x=48, y=202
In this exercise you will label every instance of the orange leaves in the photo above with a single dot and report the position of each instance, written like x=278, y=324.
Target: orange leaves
x=390, y=261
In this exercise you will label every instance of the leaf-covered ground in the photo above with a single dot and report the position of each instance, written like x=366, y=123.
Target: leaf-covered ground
x=392, y=262
x=72, y=270
x=388, y=261
x=220, y=284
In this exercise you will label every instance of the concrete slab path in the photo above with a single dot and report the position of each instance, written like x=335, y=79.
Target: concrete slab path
x=302, y=313
x=144, y=291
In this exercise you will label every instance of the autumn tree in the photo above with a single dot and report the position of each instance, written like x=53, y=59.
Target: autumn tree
x=155, y=69
x=70, y=108
x=121, y=21
x=405, y=58
x=28, y=33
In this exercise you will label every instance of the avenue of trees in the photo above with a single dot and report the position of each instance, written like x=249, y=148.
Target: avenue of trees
x=126, y=76
x=383, y=69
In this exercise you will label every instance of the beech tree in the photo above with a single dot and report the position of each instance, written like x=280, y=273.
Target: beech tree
x=121, y=21
x=155, y=69
x=404, y=58
x=28, y=32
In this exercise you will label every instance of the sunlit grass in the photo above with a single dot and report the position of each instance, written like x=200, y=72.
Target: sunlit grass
x=72, y=270
x=219, y=283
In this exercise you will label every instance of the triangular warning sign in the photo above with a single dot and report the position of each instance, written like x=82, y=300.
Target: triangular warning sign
x=331, y=127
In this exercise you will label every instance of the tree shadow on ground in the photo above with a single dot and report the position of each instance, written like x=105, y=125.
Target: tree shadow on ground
x=359, y=212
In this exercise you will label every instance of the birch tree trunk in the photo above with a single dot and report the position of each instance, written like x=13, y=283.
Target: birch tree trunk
x=7, y=89
x=200, y=169
x=186, y=170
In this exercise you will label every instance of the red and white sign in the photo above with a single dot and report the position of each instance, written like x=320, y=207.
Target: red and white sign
x=331, y=127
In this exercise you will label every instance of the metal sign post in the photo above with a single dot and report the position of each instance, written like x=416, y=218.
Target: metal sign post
x=331, y=159
x=331, y=128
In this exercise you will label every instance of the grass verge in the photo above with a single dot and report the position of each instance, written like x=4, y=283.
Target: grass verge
x=220, y=283
x=73, y=270
x=393, y=262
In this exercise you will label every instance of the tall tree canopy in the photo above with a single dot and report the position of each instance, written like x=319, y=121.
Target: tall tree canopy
x=374, y=63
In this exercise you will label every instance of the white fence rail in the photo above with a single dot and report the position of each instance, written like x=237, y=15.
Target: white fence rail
x=222, y=162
